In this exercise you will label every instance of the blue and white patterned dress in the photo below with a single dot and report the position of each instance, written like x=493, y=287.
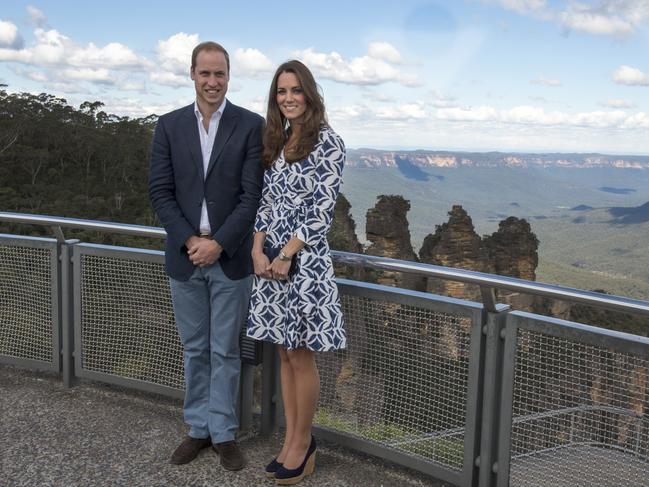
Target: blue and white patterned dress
x=298, y=199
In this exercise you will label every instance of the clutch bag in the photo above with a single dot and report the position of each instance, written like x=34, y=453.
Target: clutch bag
x=272, y=252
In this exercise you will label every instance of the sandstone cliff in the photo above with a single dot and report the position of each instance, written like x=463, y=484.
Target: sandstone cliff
x=387, y=230
x=342, y=236
x=456, y=244
x=514, y=249
x=510, y=251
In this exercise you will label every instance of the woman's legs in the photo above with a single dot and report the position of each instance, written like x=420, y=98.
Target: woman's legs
x=289, y=400
x=305, y=395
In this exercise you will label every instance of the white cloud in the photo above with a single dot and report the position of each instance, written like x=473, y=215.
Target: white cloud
x=524, y=6
x=408, y=111
x=385, y=51
x=637, y=121
x=9, y=36
x=347, y=112
x=40, y=76
x=595, y=23
x=131, y=85
x=541, y=80
x=58, y=87
x=602, y=119
x=602, y=17
x=101, y=75
x=365, y=70
x=168, y=78
x=369, y=94
x=113, y=55
x=37, y=16
x=54, y=49
x=618, y=103
x=472, y=114
x=135, y=107
x=251, y=62
x=37, y=76
x=55, y=78
x=626, y=75
x=443, y=101
x=175, y=53
x=607, y=17
x=400, y=112
x=535, y=116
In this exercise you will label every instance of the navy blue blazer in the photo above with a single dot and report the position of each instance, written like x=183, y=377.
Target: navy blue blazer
x=231, y=187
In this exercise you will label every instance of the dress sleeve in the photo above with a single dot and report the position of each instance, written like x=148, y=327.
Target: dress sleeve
x=263, y=213
x=328, y=176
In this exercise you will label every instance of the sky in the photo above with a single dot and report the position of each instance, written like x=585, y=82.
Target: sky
x=476, y=75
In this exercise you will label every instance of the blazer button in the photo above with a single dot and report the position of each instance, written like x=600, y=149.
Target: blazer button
x=210, y=203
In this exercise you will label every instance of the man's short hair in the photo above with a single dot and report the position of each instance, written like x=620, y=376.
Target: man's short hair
x=210, y=46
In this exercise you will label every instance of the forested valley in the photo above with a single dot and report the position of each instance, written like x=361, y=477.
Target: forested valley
x=75, y=162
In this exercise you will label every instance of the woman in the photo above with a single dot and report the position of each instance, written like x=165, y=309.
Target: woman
x=294, y=300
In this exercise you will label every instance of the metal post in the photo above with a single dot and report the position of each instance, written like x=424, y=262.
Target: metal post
x=509, y=333
x=67, y=315
x=268, y=390
x=493, y=324
x=489, y=299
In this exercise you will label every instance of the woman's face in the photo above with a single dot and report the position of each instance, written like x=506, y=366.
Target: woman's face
x=290, y=97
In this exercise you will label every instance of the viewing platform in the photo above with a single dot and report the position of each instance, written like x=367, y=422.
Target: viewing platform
x=97, y=435
x=432, y=390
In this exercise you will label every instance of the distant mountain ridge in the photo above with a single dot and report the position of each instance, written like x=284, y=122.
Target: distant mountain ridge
x=450, y=159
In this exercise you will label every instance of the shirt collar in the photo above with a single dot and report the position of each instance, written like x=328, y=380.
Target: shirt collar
x=219, y=111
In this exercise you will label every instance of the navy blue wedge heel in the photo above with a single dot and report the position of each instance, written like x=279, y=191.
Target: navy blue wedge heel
x=272, y=468
x=284, y=476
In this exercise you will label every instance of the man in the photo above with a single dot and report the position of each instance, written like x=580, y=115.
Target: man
x=205, y=184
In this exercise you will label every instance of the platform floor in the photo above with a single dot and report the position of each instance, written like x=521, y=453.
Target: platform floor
x=580, y=466
x=99, y=435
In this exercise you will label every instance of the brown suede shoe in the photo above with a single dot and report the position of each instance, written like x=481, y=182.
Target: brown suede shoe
x=231, y=456
x=188, y=450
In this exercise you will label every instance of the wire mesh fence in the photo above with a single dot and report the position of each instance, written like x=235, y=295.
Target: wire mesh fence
x=127, y=321
x=26, y=312
x=579, y=414
x=402, y=382
x=579, y=410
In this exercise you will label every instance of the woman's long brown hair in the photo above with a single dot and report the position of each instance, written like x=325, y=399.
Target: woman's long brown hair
x=275, y=135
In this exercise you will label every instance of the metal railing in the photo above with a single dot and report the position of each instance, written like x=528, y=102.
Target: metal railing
x=470, y=393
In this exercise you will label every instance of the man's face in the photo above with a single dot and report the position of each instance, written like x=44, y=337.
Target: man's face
x=211, y=78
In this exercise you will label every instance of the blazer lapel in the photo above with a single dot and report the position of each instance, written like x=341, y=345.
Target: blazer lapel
x=226, y=127
x=190, y=129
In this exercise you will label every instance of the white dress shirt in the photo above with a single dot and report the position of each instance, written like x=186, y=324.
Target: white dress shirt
x=207, y=143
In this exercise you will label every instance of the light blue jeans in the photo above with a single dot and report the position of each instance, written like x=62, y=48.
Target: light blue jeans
x=210, y=311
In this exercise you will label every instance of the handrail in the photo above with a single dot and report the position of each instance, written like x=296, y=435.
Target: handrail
x=484, y=280
x=607, y=301
x=99, y=226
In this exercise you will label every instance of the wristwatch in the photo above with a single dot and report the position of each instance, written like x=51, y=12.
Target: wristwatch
x=283, y=256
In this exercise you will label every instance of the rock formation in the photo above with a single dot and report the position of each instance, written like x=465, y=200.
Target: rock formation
x=514, y=249
x=387, y=230
x=342, y=236
x=510, y=251
x=456, y=244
